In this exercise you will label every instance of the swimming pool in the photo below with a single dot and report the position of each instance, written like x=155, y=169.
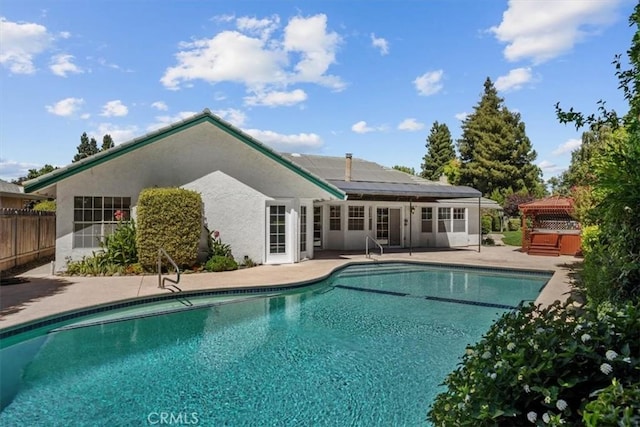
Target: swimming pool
x=367, y=346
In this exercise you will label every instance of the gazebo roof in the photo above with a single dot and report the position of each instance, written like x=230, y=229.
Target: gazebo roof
x=555, y=203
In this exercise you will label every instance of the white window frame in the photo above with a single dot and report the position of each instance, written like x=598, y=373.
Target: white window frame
x=356, y=218
x=95, y=217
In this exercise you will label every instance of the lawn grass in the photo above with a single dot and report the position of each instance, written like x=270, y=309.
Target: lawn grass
x=512, y=238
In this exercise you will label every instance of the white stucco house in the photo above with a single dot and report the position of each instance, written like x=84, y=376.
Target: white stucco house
x=270, y=207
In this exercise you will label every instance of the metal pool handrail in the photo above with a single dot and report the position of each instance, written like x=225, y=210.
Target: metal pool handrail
x=366, y=242
x=161, y=279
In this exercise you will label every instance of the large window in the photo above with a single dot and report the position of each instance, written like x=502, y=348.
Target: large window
x=459, y=220
x=427, y=220
x=335, y=217
x=303, y=228
x=277, y=235
x=356, y=218
x=96, y=217
x=444, y=220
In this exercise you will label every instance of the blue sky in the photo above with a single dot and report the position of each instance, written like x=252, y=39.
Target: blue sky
x=320, y=77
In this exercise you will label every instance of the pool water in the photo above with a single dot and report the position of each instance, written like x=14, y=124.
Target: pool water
x=368, y=347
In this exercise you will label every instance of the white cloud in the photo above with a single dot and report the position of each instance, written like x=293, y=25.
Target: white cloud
x=568, y=146
x=410, y=125
x=461, y=116
x=162, y=121
x=62, y=64
x=301, y=141
x=260, y=27
x=550, y=167
x=309, y=38
x=114, y=109
x=541, y=33
x=10, y=169
x=66, y=107
x=276, y=98
x=233, y=116
x=301, y=53
x=429, y=83
x=21, y=42
x=362, y=127
x=160, y=106
x=380, y=44
x=118, y=134
x=513, y=80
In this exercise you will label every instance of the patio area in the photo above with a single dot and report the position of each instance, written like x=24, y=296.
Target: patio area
x=41, y=294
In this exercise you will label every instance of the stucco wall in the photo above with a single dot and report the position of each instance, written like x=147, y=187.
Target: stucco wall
x=203, y=158
x=236, y=211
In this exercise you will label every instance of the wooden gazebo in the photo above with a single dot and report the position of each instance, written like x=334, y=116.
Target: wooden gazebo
x=549, y=227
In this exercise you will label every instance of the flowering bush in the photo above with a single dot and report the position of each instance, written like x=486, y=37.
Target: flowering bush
x=546, y=367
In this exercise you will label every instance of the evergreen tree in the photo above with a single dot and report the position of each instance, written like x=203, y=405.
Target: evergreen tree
x=495, y=152
x=405, y=169
x=86, y=148
x=440, y=152
x=107, y=142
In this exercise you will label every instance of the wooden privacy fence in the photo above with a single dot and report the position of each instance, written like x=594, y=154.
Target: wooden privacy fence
x=25, y=235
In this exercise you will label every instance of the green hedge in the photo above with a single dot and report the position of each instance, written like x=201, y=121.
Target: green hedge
x=168, y=218
x=558, y=365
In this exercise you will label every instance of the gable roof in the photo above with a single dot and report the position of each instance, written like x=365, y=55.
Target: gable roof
x=371, y=179
x=57, y=175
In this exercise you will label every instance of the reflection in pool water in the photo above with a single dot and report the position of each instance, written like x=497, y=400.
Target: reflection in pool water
x=367, y=348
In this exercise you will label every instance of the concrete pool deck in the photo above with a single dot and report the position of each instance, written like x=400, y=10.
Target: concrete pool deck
x=42, y=294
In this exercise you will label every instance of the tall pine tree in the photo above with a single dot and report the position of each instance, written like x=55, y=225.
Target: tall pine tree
x=495, y=152
x=440, y=151
x=107, y=142
x=88, y=147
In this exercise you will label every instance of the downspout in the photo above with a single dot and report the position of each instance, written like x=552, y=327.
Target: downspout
x=410, y=227
x=479, y=222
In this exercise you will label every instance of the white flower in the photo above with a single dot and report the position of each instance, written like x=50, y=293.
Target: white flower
x=486, y=355
x=585, y=337
x=627, y=360
x=467, y=398
x=532, y=417
x=610, y=354
x=545, y=417
x=498, y=364
x=493, y=375
x=547, y=399
x=606, y=368
x=578, y=327
x=526, y=388
x=511, y=346
x=561, y=405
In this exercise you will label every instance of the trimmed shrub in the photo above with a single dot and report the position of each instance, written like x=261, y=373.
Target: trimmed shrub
x=514, y=224
x=221, y=263
x=546, y=367
x=45, y=206
x=486, y=224
x=171, y=219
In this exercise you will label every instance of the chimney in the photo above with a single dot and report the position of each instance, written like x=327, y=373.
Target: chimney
x=347, y=171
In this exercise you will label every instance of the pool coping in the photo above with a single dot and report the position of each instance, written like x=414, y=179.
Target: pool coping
x=70, y=315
